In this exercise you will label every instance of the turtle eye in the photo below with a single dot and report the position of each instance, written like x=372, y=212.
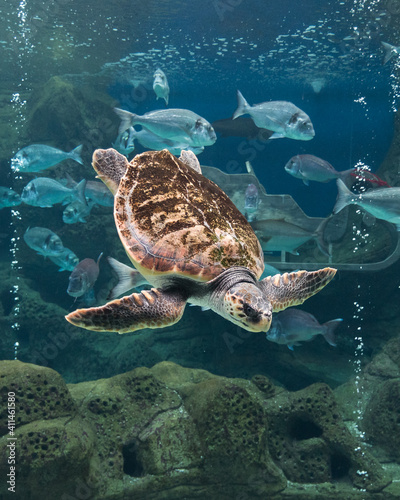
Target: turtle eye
x=249, y=311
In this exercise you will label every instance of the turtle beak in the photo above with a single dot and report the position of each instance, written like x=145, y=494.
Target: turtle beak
x=259, y=323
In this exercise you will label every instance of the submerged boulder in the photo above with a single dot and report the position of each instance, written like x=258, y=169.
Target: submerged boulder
x=174, y=432
x=382, y=418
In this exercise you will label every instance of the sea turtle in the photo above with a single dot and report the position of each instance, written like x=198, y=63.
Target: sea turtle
x=190, y=242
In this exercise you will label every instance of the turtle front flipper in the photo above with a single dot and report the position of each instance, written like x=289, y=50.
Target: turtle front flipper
x=149, y=309
x=110, y=167
x=292, y=289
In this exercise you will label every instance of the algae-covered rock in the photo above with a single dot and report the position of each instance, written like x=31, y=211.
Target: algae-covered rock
x=38, y=415
x=40, y=394
x=233, y=430
x=52, y=456
x=382, y=417
x=309, y=441
x=175, y=433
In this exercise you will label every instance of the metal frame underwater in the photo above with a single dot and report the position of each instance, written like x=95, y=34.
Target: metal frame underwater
x=384, y=235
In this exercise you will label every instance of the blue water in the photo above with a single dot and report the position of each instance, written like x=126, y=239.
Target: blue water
x=205, y=79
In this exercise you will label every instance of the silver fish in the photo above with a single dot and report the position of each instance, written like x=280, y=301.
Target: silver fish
x=124, y=143
x=154, y=142
x=83, y=277
x=282, y=117
x=99, y=193
x=37, y=157
x=390, y=51
x=45, y=192
x=382, y=203
x=292, y=326
x=282, y=236
x=76, y=211
x=311, y=168
x=179, y=125
x=251, y=201
x=66, y=261
x=9, y=198
x=160, y=85
x=95, y=191
x=44, y=241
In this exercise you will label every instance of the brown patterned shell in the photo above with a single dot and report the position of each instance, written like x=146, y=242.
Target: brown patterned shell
x=172, y=219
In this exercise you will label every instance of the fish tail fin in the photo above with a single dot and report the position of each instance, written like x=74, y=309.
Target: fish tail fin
x=126, y=119
x=80, y=191
x=346, y=173
x=330, y=327
x=70, y=180
x=128, y=278
x=132, y=135
x=243, y=105
x=99, y=257
x=75, y=154
x=389, y=52
x=345, y=196
x=319, y=237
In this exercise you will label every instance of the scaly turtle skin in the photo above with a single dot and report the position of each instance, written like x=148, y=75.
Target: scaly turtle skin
x=187, y=238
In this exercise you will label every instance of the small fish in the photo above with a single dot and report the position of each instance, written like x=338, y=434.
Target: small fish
x=44, y=241
x=96, y=191
x=66, y=261
x=317, y=84
x=382, y=203
x=160, y=85
x=251, y=201
x=311, y=168
x=37, y=157
x=154, y=142
x=128, y=278
x=9, y=198
x=390, y=51
x=282, y=117
x=83, y=277
x=45, y=192
x=99, y=193
x=179, y=125
x=76, y=211
x=292, y=326
x=282, y=236
x=124, y=142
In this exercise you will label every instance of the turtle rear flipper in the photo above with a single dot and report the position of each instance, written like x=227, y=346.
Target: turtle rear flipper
x=149, y=309
x=292, y=289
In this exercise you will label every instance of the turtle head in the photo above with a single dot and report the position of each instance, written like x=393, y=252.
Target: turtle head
x=245, y=305
x=237, y=297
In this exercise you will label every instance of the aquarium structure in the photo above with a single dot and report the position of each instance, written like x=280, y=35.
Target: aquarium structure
x=272, y=134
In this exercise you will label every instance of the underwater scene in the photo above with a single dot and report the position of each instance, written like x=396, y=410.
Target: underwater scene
x=199, y=250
